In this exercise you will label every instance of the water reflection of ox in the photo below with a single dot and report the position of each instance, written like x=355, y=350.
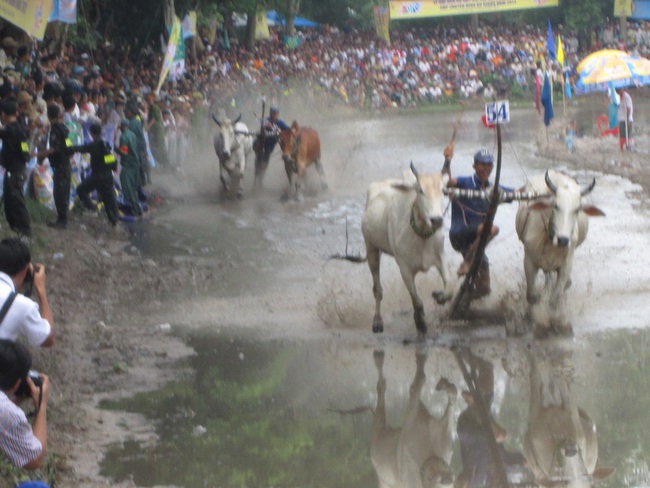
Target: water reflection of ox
x=559, y=446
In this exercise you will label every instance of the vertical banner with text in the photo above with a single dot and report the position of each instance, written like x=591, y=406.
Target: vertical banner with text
x=31, y=16
x=170, y=53
x=382, y=19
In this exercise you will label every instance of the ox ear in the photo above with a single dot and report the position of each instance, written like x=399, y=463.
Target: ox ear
x=539, y=205
x=593, y=211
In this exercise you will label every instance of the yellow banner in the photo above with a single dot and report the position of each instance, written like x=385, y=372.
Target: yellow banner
x=443, y=8
x=622, y=8
x=170, y=53
x=30, y=15
x=261, y=26
x=381, y=23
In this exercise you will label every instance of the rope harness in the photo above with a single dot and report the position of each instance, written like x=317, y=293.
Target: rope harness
x=425, y=234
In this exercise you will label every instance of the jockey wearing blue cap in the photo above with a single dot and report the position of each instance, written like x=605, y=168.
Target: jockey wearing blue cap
x=468, y=214
x=271, y=126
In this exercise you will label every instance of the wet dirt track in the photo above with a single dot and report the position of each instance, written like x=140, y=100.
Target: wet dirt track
x=276, y=299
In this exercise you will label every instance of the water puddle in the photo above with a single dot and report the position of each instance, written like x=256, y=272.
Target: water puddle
x=327, y=413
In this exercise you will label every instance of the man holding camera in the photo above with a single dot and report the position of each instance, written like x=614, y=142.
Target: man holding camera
x=19, y=314
x=25, y=445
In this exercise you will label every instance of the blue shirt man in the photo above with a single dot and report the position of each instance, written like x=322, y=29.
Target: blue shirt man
x=271, y=127
x=468, y=214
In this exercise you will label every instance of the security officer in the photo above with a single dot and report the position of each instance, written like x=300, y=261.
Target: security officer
x=130, y=174
x=102, y=163
x=59, y=156
x=14, y=158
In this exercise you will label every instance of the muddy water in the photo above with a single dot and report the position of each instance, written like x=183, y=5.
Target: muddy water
x=285, y=391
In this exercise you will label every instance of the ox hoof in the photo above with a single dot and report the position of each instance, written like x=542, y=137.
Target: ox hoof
x=324, y=187
x=240, y=195
x=541, y=332
x=377, y=324
x=440, y=297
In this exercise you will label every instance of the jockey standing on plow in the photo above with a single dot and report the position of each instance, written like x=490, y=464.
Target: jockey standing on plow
x=271, y=128
x=468, y=215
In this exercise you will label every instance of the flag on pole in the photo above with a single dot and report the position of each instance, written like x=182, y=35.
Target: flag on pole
x=170, y=53
x=261, y=26
x=550, y=43
x=547, y=101
x=189, y=25
x=538, y=92
x=560, y=51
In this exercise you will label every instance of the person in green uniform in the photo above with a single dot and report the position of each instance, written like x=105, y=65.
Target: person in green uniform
x=135, y=125
x=130, y=162
x=156, y=130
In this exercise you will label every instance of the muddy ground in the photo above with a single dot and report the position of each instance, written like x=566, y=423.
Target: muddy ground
x=101, y=291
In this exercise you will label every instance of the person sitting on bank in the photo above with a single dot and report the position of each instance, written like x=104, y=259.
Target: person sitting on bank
x=24, y=316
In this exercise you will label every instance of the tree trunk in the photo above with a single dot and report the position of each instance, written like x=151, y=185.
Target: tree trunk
x=249, y=37
x=293, y=8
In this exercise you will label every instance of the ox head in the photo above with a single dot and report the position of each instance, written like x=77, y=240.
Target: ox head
x=287, y=139
x=428, y=206
x=565, y=206
x=227, y=131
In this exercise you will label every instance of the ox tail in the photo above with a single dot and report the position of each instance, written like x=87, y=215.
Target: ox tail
x=349, y=257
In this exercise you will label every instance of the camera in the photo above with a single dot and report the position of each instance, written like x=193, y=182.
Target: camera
x=23, y=390
x=29, y=280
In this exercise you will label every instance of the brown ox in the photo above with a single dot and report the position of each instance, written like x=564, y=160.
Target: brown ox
x=417, y=455
x=300, y=148
x=561, y=445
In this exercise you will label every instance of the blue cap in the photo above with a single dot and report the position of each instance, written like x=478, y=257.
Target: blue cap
x=274, y=110
x=483, y=156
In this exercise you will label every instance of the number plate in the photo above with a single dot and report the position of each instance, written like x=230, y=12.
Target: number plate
x=497, y=112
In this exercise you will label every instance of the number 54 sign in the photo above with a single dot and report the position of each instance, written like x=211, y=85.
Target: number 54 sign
x=497, y=112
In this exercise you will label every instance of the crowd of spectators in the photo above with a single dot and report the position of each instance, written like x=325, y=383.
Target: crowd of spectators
x=419, y=66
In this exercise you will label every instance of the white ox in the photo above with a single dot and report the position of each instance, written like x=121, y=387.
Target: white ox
x=561, y=443
x=418, y=454
x=233, y=145
x=403, y=218
x=551, y=228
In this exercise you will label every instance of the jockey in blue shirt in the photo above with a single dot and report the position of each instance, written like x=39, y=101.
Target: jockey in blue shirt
x=272, y=125
x=468, y=214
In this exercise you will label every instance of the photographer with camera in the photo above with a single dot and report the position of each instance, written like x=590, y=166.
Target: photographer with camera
x=25, y=445
x=19, y=314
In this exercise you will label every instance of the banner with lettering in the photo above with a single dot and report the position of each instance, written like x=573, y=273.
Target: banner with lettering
x=170, y=53
x=64, y=11
x=31, y=16
x=443, y=8
x=381, y=23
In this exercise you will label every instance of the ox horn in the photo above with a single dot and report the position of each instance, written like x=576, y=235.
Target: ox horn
x=587, y=190
x=550, y=183
x=216, y=120
x=415, y=171
x=237, y=119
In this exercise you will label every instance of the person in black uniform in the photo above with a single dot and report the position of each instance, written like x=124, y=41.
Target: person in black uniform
x=14, y=157
x=59, y=156
x=102, y=164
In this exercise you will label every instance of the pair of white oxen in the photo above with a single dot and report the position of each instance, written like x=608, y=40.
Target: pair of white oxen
x=403, y=218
